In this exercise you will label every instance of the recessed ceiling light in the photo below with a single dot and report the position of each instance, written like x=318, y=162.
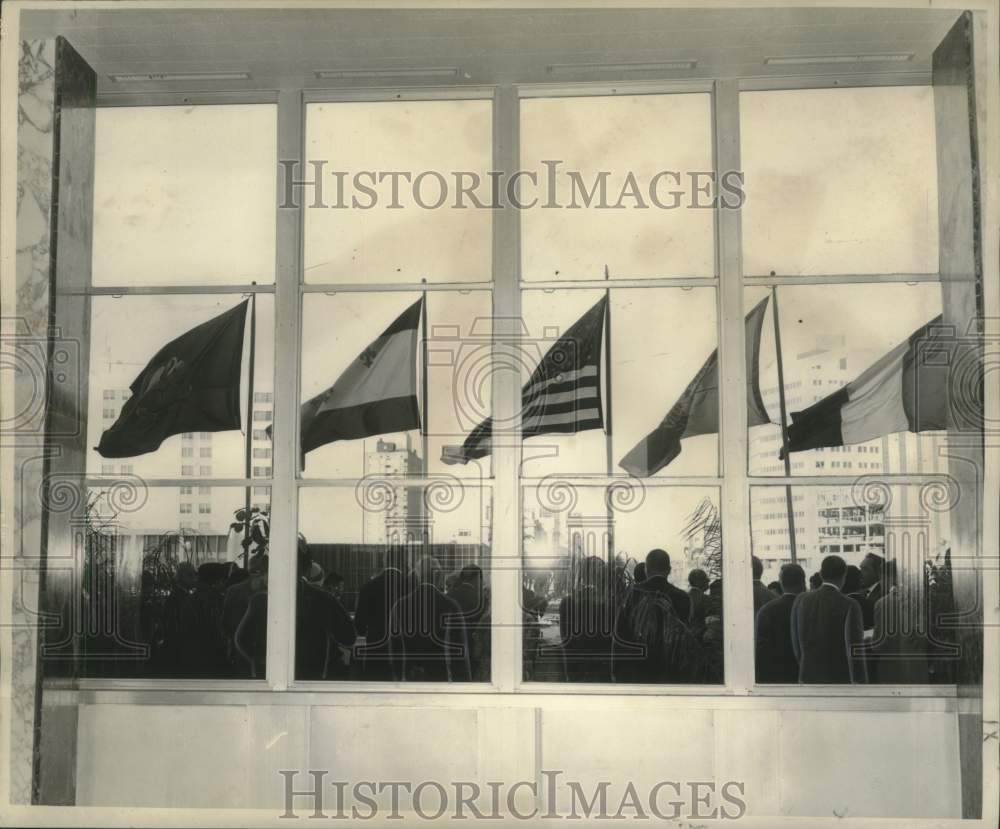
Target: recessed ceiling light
x=801, y=60
x=145, y=77
x=657, y=66
x=402, y=72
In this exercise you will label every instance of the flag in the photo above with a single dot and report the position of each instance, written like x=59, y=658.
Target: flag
x=563, y=394
x=904, y=391
x=696, y=412
x=192, y=384
x=376, y=394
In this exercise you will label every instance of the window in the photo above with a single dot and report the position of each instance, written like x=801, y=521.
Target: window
x=594, y=221
x=393, y=510
x=385, y=243
x=878, y=544
x=150, y=229
x=155, y=321
x=877, y=215
x=156, y=540
x=179, y=241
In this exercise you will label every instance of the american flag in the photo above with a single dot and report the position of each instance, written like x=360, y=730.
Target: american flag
x=563, y=394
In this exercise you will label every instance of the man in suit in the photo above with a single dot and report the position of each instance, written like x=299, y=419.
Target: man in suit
x=427, y=636
x=872, y=579
x=376, y=599
x=586, y=624
x=826, y=628
x=697, y=585
x=775, y=657
x=680, y=599
x=761, y=595
x=651, y=642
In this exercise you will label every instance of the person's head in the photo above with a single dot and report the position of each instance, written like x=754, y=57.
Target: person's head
x=815, y=580
x=890, y=573
x=775, y=587
x=639, y=572
x=334, y=582
x=593, y=571
x=852, y=579
x=302, y=555
x=427, y=571
x=471, y=574
x=872, y=569
x=657, y=563
x=792, y=578
x=259, y=564
x=715, y=598
x=833, y=569
x=187, y=576
x=757, y=566
x=698, y=579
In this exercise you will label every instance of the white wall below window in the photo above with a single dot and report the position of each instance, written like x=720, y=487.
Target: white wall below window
x=888, y=763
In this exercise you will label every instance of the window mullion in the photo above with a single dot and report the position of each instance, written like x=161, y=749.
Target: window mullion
x=505, y=545
x=284, y=495
x=738, y=594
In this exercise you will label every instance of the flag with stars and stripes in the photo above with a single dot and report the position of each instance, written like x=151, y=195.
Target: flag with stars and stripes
x=563, y=394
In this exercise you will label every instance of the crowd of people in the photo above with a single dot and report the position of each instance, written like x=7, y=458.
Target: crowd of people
x=643, y=628
x=419, y=623
x=855, y=624
x=410, y=623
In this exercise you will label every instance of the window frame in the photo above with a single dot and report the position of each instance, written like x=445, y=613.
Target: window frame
x=732, y=480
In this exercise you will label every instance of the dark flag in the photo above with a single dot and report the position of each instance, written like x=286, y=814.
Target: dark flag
x=192, y=384
x=904, y=391
x=563, y=394
x=696, y=412
x=376, y=394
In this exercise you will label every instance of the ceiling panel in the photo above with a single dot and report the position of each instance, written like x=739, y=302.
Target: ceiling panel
x=489, y=46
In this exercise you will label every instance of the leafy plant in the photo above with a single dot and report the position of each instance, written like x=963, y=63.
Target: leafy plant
x=704, y=529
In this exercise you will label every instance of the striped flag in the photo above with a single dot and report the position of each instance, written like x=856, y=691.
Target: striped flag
x=563, y=394
x=376, y=394
x=904, y=391
x=696, y=411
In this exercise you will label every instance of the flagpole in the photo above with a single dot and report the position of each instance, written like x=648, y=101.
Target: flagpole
x=609, y=462
x=424, y=437
x=784, y=423
x=249, y=443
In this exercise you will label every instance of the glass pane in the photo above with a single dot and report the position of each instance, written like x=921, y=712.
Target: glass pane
x=839, y=181
x=159, y=583
x=185, y=195
x=830, y=335
x=336, y=332
x=126, y=334
x=624, y=182
x=871, y=561
x=405, y=569
x=664, y=548
x=660, y=339
x=392, y=207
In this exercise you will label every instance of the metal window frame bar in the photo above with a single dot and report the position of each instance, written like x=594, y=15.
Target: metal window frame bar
x=733, y=439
